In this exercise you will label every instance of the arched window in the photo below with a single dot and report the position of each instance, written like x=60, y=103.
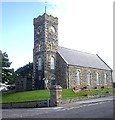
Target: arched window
x=39, y=64
x=52, y=63
x=78, y=77
x=105, y=79
x=50, y=46
x=97, y=77
x=89, y=78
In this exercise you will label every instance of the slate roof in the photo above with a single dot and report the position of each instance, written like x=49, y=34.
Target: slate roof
x=74, y=57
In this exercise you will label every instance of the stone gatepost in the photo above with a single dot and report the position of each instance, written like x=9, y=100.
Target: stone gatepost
x=55, y=95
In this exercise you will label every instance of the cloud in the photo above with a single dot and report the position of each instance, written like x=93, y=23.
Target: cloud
x=85, y=25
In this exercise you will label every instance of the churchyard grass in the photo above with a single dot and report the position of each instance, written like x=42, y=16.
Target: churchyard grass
x=44, y=94
x=25, y=96
x=68, y=93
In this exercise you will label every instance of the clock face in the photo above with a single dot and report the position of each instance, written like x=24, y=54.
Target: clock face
x=39, y=30
x=52, y=30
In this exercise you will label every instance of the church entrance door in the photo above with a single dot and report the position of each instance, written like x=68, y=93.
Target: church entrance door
x=52, y=82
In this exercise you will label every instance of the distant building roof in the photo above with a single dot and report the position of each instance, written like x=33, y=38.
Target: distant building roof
x=74, y=57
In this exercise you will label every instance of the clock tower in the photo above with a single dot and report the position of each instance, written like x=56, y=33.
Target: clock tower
x=45, y=49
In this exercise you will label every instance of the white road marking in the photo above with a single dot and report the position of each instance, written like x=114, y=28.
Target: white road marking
x=85, y=105
x=49, y=108
x=58, y=108
x=61, y=109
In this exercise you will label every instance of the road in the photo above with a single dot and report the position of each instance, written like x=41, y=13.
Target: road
x=100, y=109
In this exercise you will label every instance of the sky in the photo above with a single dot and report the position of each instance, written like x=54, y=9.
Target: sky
x=84, y=25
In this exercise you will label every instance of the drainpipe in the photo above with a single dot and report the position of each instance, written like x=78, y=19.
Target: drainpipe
x=67, y=76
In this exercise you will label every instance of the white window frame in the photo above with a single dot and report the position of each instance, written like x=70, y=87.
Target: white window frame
x=39, y=63
x=97, y=78
x=78, y=77
x=105, y=78
x=52, y=63
x=89, y=78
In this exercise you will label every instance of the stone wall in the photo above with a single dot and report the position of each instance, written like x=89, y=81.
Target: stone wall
x=31, y=104
x=23, y=84
x=83, y=98
x=84, y=80
x=55, y=95
x=61, y=72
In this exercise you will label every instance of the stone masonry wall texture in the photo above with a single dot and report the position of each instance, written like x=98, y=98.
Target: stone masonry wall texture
x=83, y=77
x=61, y=71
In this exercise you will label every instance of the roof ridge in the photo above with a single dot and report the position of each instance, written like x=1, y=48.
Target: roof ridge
x=78, y=50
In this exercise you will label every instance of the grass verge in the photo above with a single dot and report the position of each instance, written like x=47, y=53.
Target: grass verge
x=25, y=96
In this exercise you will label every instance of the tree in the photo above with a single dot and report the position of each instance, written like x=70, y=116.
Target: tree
x=8, y=75
x=25, y=71
x=0, y=66
x=113, y=84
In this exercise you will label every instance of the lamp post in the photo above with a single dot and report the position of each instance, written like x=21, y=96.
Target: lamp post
x=46, y=86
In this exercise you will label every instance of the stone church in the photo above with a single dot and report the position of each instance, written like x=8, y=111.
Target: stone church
x=69, y=68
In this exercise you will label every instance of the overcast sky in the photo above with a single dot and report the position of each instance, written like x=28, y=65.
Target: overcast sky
x=84, y=25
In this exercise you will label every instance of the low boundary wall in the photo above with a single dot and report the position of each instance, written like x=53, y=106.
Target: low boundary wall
x=27, y=104
x=88, y=97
